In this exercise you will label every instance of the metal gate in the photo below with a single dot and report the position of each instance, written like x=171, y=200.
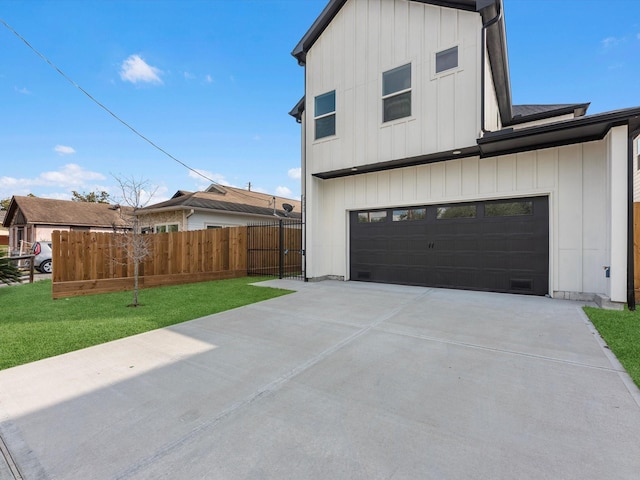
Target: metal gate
x=274, y=249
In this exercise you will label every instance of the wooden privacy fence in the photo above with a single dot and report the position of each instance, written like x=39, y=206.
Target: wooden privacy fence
x=93, y=262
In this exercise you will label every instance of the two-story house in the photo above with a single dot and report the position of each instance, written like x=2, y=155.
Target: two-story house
x=419, y=170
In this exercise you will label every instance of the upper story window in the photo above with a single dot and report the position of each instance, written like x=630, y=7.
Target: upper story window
x=396, y=93
x=325, y=114
x=447, y=60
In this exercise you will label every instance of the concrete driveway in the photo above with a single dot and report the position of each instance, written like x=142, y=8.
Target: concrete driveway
x=337, y=381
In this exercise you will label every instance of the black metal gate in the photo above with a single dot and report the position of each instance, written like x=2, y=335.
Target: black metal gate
x=274, y=249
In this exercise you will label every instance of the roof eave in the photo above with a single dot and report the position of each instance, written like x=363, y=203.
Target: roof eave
x=566, y=132
x=578, y=110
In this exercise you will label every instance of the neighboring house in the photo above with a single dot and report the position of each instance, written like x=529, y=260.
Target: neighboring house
x=216, y=207
x=419, y=170
x=4, y=231
x=30, y=219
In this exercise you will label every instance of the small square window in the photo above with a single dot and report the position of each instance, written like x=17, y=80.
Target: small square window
x=325, y=115
x=396, y=93
x=447, y=59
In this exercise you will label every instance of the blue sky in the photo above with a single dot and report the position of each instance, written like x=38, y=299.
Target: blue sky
x=211, y=82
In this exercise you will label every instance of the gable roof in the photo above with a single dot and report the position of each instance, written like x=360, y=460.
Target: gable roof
x=47, y=211
x=493, y=23
x=334, y=6
x=227, y=199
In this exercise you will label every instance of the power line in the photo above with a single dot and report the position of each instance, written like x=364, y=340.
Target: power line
x=105, y=108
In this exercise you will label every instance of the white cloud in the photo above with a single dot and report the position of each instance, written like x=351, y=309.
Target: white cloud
x=610, y=42
x=63, y=150
x=209, y=78
x=67, y=178
x=189, y=76
x=295, y=173
x=22, y=90
x=134, y=69
x=283, y=192
x=71, y=174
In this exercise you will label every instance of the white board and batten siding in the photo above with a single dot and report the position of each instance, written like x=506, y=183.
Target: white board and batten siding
x=587, y=205
x=369, y=37
x=577, y=179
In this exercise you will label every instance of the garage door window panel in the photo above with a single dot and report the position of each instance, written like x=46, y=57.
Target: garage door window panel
x=508, y=209
x=456, y=211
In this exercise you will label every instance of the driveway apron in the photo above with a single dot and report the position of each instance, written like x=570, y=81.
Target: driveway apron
x=340, y=380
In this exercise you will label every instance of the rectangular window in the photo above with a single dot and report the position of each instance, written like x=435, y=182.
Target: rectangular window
x=456, y=211
x=409, y=214
x=508, y=209
x=171, y=227
x=325, y=114
x=447, y=59
x=396, y=93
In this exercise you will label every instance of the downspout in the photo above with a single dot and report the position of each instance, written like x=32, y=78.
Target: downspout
x=186, y=218
x=483, y=75
x=303, y=122
x=631, y=293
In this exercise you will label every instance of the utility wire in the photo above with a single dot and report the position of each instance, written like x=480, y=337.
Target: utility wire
x=106, y=109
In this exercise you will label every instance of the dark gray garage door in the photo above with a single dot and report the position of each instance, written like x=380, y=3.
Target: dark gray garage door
x=499, y=246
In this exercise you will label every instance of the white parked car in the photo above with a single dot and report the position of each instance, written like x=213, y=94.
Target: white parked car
x=42, y=259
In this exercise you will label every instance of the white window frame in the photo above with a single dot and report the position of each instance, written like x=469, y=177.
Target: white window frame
x=398, y=93
x=434, y=73
x=166, y=227
x=325, y=115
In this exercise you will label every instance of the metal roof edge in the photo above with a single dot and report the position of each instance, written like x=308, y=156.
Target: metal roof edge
x=612, y=117
x=400, y=163
x=580, y=109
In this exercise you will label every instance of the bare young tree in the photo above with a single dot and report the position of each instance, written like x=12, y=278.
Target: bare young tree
x=136, y=193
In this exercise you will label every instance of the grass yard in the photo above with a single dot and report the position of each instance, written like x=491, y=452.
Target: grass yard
x=621, y=332
x=33, y=326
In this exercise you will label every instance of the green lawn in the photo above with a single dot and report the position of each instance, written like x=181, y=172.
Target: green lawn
x=621, y=332
x=33, y=326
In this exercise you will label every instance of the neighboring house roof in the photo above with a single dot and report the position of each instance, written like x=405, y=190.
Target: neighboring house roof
x=3, y=213
x=47, y=211
x=228, y=199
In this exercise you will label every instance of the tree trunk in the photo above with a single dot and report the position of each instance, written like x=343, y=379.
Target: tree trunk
x=135, y=283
